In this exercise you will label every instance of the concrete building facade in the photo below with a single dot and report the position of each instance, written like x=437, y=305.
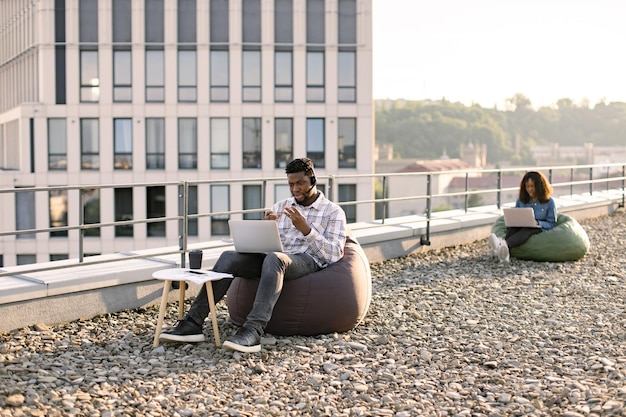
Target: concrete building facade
x=124, y=92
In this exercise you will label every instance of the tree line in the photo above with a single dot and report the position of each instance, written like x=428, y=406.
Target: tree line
x=429, y=129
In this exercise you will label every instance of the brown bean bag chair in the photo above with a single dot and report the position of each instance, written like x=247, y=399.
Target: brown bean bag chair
x=334, y=299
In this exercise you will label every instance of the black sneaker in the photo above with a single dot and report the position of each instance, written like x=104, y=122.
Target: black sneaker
x=186, y=330
x=245, y=339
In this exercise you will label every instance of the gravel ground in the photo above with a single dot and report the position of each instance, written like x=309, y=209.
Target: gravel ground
x=450, y=332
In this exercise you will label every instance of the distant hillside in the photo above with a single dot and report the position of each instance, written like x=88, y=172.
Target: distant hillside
x=428, y=129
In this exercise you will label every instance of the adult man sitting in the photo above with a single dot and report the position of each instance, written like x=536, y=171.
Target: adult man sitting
x=313, y=233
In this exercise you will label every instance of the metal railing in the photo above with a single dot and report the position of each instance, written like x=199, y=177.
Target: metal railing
x=577, y=178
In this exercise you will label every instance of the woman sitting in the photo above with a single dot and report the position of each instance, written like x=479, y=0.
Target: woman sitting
x=535, y=191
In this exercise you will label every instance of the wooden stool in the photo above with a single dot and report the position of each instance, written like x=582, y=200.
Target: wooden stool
x=182, y=275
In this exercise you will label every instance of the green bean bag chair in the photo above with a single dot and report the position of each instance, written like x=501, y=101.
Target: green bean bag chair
x=567, y=241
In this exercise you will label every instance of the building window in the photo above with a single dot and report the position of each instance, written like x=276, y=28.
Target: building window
x=219, y=73
x=220, y=143
x=26, y=259
x=58, y=257
x=155, y=204
x=186, y=21
x=346, y=22
x=154, y=16
x=315, y=22
x=155, y=143
x=57, y=144
x=58, y=211
x=187, y=79
x=192, y=208
x=346, y=76
x=91, y=210
x=315, y=141
x=251, y=73
x=89, y=79
x=25, y=213
x=218, y=60
x=283, y=137
x=123, y=147
x=251, y=142
x=251, y=21
x=187, y=143
x=155, y=75
x=88, y=21
x=220, y=202
x=347, y=192
x=283, y=76
x=122, y=76
x=283, y=21
x=218, y=21
x=123, y=211
x=252, y=199
x=346, y=142
x=315, y=76
x=89, y=144
x=60, y=77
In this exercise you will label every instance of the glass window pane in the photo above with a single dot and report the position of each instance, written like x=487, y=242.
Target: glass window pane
x=88, y=20
x=58, y=211
x=187, y=143
x=219, y=21
x=187, y=68
x=186, y=21
x=154, y=21
x=251, y=18
x=347, y=22
x=283, y=21
x=219, y=68
x=283, y=68
x=315, y=68
x=91, y=210
x=122, y=21
x=155, y=143
x=315, y=23
x=155, y=209
x=192, y=208
x=252, y=200
x=57, y=144
x=123, y=210
x=347, y=142
x=251, y=68
x=89, y=136
x=220, y=143
x=25, y=213
x=347, y=192
x=284, y=142
x=251, y=143
x=220, y=202
x=121, y=68
x=155, y=63
x=315, y=141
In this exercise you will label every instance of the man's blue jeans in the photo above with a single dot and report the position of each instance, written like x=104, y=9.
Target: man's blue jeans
x=271, y=269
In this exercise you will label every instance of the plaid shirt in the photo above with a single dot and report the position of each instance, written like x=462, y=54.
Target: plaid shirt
x=327, y=238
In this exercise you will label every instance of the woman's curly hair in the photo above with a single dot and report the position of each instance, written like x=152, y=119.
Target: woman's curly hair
x=543, y=189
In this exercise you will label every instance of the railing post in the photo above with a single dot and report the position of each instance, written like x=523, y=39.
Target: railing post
x=81, y=222
x=499, y=193
x=590, y=180
x=183, y=208
x=385, y=203
x=571, y=179
x=425, y=240
x=331, y=188
x=466, y=189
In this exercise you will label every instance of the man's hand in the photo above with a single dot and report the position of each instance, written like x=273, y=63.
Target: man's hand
x=297, y=219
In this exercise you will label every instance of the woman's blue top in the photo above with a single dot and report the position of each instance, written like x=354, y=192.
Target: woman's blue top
x=545, y=213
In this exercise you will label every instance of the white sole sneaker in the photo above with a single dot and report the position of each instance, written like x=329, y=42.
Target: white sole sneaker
x=493, y=244
x=503, y=252
x=241, y=348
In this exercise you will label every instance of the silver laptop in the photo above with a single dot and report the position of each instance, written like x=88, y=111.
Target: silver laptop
x=255, y=236
x=520, y=217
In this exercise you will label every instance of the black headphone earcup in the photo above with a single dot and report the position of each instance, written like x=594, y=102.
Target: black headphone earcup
x=313, y=180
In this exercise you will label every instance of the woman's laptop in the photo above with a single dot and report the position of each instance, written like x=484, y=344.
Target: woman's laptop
x=255, y=236
x=519, y=217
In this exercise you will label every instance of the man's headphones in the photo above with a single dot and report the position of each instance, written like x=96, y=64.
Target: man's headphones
x=313, y=179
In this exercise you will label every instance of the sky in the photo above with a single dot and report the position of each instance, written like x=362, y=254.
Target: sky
x=486, y=51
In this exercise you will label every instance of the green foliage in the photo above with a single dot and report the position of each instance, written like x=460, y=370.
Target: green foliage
x=428, y=129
